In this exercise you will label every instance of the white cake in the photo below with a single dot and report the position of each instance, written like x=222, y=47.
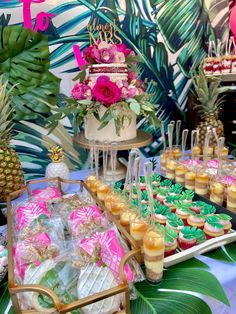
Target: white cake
x=118, y=73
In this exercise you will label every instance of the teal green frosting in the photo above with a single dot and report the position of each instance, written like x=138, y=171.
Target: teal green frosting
x=176, y=188
x=118, y=185
x=163, y=210
x=183, y=206
x=142, y=179
x=156, y=203
x=134, y=190
x=208, y=209
x=170, y=235
x=200, y=235
x=224, y=217
x=187, y=195
x=156, y=177
x=198, y=204
x=170, y=199
x=174, y=221
x=166, y=182
x=189, y=233
x=162, y=192
x=197, y=215
x=214, y=221
x=154, y=188
x=144, y=195
x=145, y=212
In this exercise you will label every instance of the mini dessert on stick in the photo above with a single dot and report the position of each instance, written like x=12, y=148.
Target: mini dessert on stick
x=176, y=148
x=195, y=148
x=170, y=241
x=154, y=248
x=213, y=228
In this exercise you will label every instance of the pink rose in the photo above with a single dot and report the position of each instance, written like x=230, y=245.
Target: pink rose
x=106, y=91
x=132, y=76
x=119, y=57
x=81, y=91
x=132, y=92
x=105, y=55
x=122, y=48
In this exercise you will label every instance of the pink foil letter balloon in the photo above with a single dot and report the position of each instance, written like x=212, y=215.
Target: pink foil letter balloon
x=232, y=21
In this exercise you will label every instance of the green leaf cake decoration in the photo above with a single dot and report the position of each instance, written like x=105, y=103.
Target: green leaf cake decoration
x=187, y=195
x=197, y=215
x=200, y=235
x=162, y=192
x=224, y=217
x=208, y=209
x=170, y=235
x=163, y=210
x=176, y=189
x=118, y=185
x=156, y=203
x=134, y=190
x=144, y=196
x=156, y=177
x=189, y=233
x=142, y=179
x=185, y=207
x=214, y=222
x=174, y=221
x=145, y=212
x=170, y=199
x=166, y=183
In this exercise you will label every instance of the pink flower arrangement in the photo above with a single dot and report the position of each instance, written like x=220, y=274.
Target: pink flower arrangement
x=81, y=91
x=106, y=91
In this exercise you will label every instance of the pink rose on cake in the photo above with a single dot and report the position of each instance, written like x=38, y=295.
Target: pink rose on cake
x=122, y=48
x=106, y=91
x=81, y=91
x=105, y=53
x=132, y=76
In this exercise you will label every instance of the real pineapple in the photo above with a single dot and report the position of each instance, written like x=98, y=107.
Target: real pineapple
x=11, y=173
x=209, y=105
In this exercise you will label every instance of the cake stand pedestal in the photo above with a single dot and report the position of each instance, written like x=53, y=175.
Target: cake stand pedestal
x=142, y=139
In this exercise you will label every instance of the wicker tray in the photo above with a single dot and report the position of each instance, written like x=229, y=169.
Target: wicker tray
x=15, y=289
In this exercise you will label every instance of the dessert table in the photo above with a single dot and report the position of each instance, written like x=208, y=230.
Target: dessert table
x=223, y=271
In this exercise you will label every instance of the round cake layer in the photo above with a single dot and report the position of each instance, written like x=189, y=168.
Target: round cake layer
x=104, y=68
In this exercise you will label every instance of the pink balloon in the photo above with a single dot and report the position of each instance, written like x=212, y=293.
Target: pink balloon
x=232, y=20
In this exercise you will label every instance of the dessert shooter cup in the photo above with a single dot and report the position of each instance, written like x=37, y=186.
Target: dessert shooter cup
x=165, y=155
x=154, y=249
x=201, y=182
x=231, y=197
x=208, y=153
x=217, y=192
x=190, y=176
x=176, y=152
x=196, y=151
x=180, y=172
x=224, y=152
x=171, y=165
x=138, y=227
x=103, y=190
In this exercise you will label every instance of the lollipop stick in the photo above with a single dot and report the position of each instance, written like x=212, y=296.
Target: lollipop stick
x=128, y=180
x=163, y=135
x=105, y=158
x=137, y=180
x=221, y=143
x=148, y=178
x=184, y=140
x=170, y=135
x=206, y=145
x=96, y=153
x=193, y=140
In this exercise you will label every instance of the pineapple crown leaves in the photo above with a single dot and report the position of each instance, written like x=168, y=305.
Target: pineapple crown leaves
x=55, y=153
x=7, y=113
x=207, y=91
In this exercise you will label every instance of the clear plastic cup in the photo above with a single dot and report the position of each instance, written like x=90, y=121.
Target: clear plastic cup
x=217, y=190
x=231, y=197
x=138, y=227
x=180, y=172
x=201, y=182
x=224, y=152
x=154, y=249
x=171, y=165
x=190, y=176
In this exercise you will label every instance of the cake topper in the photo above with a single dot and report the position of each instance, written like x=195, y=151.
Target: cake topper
x=55, y=153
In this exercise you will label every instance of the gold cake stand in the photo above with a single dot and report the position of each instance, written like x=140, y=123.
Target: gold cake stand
x=142, y=139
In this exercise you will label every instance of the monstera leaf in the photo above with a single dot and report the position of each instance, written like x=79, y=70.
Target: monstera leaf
x=186, y=27
x=24, y=61
x=187, y=277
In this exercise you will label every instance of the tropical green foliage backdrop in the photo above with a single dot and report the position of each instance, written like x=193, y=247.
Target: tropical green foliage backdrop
x=170, y=35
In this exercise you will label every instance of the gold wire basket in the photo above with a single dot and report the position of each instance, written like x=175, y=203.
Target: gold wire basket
x=61, y=308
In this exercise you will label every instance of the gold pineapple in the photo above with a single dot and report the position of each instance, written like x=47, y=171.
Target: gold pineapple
x=11, y=173
x=209, y=105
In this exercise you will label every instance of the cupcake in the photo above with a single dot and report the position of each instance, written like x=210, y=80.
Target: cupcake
x=161, y=214
x=161, y=194
x=170, y=202
x=208, y=210
x=197, y=206
x=187, y=196
x=213, y=228
x=196, y=220
x=175, y=189
x=144, y=197
x=183, y=211
x=187, y=238
x=180, y=174
x=175, y=223
x=156, y=179
x=166, y=184
x=170, y=241
x=154, y=190
x=225, y=221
